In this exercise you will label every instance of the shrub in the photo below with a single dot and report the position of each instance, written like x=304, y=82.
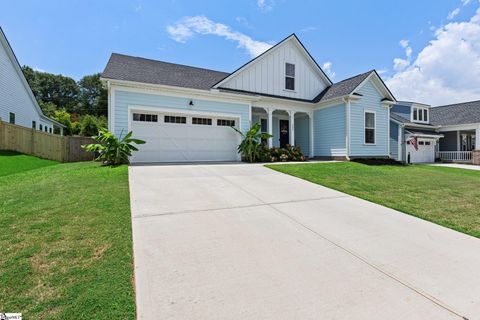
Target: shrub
x=251, y=147
x=113, y=151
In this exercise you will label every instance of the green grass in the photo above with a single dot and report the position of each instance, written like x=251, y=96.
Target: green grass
x=65, y=240
x=446, y=196
x=13, y=162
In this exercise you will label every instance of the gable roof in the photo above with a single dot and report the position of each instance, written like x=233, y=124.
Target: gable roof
x=342, y=88
x=18, y=69
x=293, y=37
x=136, y=69
x=454, y=114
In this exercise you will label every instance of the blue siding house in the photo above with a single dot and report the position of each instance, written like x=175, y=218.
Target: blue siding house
x=186, y=113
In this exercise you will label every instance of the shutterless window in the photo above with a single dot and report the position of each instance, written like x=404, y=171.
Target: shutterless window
x=175, y=119
x=12, y=117
x=145, y=117
x=34, y=125
x=41, y=127
x=50, y=130
x=225, y=123
x=415, y=114
x=46, y=128
x=202, y=121
x=289, y=76
x=369, y=127
x=425, y=115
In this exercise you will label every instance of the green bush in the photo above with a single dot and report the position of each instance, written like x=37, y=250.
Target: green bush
x=251, y=147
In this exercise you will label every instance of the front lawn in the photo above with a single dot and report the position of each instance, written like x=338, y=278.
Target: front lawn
x=446, y=196
x=65, y=241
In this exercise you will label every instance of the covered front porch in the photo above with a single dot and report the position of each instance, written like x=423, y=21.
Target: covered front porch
x=287, y=126
x=459, y=145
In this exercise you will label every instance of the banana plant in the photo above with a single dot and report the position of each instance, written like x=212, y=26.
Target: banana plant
x=251, y=146
x=113, y=151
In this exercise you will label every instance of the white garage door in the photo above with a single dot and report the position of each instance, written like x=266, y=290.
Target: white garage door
x=181, y=137
x=425, y=152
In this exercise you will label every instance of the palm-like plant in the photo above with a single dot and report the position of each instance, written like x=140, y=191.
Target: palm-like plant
x=113, y=151
x=251, y=146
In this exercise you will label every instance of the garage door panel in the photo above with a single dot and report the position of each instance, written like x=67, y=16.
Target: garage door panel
x=173, y=142
x=425, y=152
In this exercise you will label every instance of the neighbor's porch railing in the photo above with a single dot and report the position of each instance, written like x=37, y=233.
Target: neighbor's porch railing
x=461, y=156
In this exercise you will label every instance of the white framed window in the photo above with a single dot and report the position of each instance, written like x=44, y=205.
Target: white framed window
x=144, y=117
x=175, y=119
x=420, y=114
x=202, y=121
x=225, y=123
x=289, y=76
x=369, y=127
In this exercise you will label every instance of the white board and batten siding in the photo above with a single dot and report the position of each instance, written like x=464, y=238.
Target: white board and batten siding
x=266, y=74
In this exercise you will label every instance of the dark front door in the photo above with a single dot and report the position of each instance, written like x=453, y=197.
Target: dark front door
x=284, y=133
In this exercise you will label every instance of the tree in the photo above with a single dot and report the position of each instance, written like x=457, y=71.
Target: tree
x=93, y=95
x=64, y=118
x=89, y=126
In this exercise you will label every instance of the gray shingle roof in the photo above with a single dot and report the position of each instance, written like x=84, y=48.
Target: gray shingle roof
x=460, y=113
x=342, y=88
x=399, y=118
x=128, y=68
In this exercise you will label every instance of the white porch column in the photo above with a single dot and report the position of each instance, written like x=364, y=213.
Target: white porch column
x=477, y=138
x=458, y=141
x=270, y=126
x=310, y=122
x=291, y=130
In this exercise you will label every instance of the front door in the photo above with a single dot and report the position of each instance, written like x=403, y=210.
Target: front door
x=284, y=133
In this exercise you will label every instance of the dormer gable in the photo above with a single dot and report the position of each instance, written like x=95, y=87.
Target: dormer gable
x=413, y=111
x=286, y=69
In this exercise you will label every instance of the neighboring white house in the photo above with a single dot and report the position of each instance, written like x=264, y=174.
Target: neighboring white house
x=185, y=113
x=17, y=102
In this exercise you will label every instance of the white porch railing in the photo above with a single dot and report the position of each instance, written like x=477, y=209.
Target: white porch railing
x=463, y=156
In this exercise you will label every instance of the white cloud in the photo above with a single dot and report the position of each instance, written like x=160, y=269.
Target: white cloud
x=38, y=69
x=309, y=29
x=453, y=14
x=447, y=70
x=187, y=27
x=465, y=2
x=400, y=64
x=404, y=43
x=266, y=5
x=327, y=67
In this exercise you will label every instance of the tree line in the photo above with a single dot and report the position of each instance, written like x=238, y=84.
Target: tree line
x=82, y=106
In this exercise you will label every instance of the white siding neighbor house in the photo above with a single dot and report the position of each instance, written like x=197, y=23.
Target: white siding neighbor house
x=17, y=102
x=185, y=113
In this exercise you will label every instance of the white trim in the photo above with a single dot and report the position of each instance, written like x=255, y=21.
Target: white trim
x=312, y=140
x=348, y=108
x=412, y=109
x=469, y=126
x=113, y=111
x=365, y=111
x=388, y=131
x=400, y=143
x=134, y=107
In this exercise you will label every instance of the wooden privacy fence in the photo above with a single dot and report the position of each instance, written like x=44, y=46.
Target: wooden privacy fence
x=42, y=144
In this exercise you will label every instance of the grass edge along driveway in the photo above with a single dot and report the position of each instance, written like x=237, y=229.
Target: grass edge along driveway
x=446, y=196
x=66, y=241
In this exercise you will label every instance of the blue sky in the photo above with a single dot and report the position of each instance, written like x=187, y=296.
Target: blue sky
x=76, y=38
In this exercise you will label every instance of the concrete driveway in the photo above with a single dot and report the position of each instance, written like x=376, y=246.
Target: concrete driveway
x=238, y=241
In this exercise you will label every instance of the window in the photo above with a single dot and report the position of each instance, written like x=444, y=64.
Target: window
x=46, y=128
x=34, y=125
x=175, y=119
x=289, y=76
x=50, y=130
x=202, y=121
x=264, y=129
x=145, y=117
x=421, y=143
x=12, y=117
x=369, y=127
x=420, y=114
x=427, y=143
x=41, y=127
x=225, y=123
